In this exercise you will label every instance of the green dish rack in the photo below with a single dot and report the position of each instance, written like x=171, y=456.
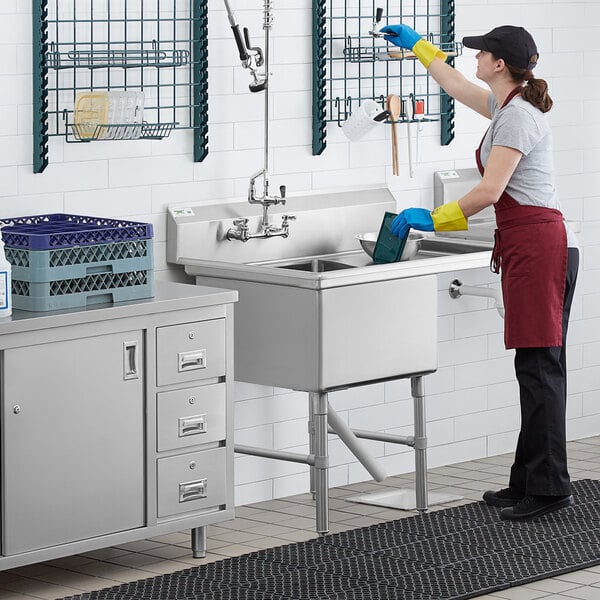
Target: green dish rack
x=159, y=48
x=350, y=65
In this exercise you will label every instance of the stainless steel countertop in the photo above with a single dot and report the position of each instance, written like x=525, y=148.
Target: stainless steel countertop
x=168, y=296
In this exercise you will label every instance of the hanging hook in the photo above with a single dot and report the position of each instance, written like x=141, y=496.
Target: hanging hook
x=336, y=104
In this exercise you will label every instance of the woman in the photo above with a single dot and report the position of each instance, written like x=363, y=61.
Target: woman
x=534, y=250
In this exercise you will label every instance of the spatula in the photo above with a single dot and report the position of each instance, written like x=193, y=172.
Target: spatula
x=394, y=107
x=388, y=247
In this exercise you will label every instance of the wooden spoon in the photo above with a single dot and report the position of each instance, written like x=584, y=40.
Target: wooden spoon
x=394, y=107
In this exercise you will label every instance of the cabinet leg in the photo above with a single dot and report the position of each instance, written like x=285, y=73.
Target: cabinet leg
x=319, y=416
x=199, y=542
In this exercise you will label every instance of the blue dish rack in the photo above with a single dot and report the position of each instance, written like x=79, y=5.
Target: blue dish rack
x=70, y=261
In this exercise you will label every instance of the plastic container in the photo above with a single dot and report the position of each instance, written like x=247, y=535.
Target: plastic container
x=362, y=120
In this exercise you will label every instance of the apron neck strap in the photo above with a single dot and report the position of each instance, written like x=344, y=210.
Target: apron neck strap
x=512, y=94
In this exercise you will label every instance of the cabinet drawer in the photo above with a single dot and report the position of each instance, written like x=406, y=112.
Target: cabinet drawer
x=190, y=352
x=191, y=481
x=191, y=416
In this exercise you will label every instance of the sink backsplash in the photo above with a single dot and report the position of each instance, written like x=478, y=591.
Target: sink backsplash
x=325, y=223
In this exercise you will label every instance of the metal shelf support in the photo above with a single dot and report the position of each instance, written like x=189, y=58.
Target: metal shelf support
x=200, y=77
x=446, y=101
x=319, y=72
x=40, y=86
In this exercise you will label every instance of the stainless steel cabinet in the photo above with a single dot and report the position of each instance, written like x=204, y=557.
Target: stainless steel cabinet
x=116, y=423
x=73, y=438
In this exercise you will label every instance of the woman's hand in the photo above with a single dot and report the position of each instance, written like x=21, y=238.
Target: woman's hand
x=447, y=217
x=401, y=35
x=407, y=38
x=411, y=218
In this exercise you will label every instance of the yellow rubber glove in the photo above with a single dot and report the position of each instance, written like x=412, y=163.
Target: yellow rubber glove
x=425, y=51
x=449, y=217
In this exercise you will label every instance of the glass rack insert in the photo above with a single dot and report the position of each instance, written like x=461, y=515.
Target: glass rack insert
x=350, y=65
x=110, y=53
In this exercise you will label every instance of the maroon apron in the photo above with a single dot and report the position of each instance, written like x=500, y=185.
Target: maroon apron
x=530, y=250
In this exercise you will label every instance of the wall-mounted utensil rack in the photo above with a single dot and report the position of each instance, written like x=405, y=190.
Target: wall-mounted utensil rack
x=350, y=65
x=158, y=47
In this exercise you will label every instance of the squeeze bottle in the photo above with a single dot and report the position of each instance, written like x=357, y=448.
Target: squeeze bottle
x=5, y=283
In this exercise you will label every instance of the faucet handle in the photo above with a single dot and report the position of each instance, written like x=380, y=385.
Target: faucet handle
x=282, y=190
x=286, y=218
x=241, y=222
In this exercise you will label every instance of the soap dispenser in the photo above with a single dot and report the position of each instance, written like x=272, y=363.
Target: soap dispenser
x=5, y=282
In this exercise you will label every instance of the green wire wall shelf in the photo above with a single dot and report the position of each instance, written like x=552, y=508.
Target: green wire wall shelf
x=158, y=47
x=350, y=65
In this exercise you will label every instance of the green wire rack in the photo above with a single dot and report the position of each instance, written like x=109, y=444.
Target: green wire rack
x=350, y=65
x=158, y=47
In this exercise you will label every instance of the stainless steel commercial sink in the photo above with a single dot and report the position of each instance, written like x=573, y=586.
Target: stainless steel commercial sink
x=315, y=314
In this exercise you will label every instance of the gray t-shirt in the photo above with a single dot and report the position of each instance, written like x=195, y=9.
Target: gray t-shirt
x=521, y=126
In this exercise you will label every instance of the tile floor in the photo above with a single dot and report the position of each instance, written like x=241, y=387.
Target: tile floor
x=289, y=520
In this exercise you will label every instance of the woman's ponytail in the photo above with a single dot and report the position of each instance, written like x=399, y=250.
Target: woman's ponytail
x=535, y=91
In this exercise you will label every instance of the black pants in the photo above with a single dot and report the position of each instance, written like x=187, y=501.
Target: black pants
x=540, y=466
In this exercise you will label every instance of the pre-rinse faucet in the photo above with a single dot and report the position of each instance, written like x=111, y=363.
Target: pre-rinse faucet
x=240, y=229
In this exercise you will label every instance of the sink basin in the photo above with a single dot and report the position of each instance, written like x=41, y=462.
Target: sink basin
x=316, y=265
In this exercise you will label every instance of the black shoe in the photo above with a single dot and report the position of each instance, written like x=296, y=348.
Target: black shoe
x=505, y=497
x=534, y=506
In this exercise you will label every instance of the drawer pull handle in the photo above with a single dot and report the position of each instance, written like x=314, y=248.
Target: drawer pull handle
x=192, y=425
x=192, y=490
x=188, y=361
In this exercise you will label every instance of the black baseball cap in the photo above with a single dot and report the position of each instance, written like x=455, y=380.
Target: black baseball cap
x=514, y=45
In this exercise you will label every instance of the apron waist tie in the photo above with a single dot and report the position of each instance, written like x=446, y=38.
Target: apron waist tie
x=496, y=259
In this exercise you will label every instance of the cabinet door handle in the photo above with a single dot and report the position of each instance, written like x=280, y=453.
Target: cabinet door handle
x=130, y=360
x=188, y=361
x=192, y=490
x=192, y=425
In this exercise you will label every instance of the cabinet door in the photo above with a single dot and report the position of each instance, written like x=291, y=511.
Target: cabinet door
x=73, y=443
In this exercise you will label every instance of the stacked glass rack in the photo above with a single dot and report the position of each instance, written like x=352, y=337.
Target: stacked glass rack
x=70, y=261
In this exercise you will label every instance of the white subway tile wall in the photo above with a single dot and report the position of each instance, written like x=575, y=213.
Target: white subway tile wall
x=472, y=403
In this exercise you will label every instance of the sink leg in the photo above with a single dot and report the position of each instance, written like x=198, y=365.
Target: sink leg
x=319, y=416
x=199, y=542
x=311, y=443
x=416, y=385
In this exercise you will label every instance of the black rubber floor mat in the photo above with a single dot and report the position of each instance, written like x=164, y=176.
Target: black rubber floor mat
x=451, y=554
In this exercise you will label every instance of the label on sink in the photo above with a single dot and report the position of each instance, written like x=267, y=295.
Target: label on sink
x=448, y=174
x=186, y=211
